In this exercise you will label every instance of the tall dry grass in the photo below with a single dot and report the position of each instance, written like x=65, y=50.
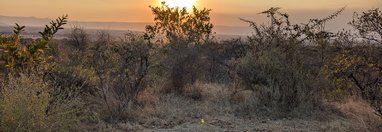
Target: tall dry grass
x=25, y=105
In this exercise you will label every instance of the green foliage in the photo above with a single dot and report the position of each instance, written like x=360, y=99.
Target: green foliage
x=181, y=36
x=356, y=68
x=18, y=29
x=19, y=56
x=56, y=25
x=27, y=101
x=357, y=71
x=179, y=25
x=134, y=55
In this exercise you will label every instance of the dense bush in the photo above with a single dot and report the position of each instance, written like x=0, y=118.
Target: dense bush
x=25, y=105
x=182, y=35
x=29, y=102
x=369, y=25
x=300, y=64
x=111, y=72
x=277, y=65
x=177, y=25
x=22, y=56
x=283, y=67
x=356, y=67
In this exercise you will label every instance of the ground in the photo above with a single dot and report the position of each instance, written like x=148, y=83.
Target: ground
x=172, y=112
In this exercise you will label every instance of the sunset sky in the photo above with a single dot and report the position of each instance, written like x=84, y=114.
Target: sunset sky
x=224, y=12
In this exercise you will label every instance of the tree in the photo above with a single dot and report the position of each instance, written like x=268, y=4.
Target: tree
x=79, y=38
x=183, y=33
x=276, y=60
x=179, y=25
x=19, y=56
x=358, y=68
x=369, y=25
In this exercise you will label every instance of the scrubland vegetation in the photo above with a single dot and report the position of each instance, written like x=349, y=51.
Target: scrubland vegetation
x=176, y=74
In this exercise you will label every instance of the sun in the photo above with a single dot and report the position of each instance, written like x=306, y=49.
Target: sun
x=181, y=3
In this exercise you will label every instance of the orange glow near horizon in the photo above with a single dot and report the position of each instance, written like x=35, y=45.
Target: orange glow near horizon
x=188, y=4
x=224, y=12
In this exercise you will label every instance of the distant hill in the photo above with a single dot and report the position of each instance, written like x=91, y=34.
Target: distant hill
x=228, y=30
x=28, y=21
x=3, y=24
x=132, y=26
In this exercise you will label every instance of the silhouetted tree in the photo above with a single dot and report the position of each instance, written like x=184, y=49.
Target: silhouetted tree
x=179, y=25
x=369, y=25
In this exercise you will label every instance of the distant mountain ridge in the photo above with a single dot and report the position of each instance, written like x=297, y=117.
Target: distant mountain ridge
x=133, y=26
x=28, y=21
x=3, y=24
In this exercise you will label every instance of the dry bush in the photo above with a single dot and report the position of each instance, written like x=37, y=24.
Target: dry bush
x=79, y=38
x=243, y=96
x=147, y=97
x=76, y=80
x=280, y=83
x=207, y=91
x=25, y=106
x=356, y=68
x=369, y=25
x=117, y=70
x=181, y=36
x=277, y=67
x=109, y=73
x=193, y=91
x=356, y=71
x=183, y=66
x=145, y=110
x=204, y=63
x=172, y=109
x=360, y=112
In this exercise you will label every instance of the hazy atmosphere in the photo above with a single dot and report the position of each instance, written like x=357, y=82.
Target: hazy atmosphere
x=224, y=12
x=191, y=65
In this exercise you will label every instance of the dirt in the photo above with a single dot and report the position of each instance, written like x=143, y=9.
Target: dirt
x=177, y=113
x=229, y=124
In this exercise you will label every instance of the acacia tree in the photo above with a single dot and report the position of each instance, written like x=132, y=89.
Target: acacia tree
x=183, y=32
x=369, y=25
x=276, y=60
x=359, y=68
x=179, y=25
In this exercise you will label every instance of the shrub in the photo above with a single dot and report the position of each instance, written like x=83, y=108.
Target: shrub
x=179, y=26
x=194, y=92
x=369, y=25
x=25, y=106
x=356, y=72
x=21, y=56
x=79, y=38
x=277, y=66
x=182, y=33
x=120, y=69
x=356, y=68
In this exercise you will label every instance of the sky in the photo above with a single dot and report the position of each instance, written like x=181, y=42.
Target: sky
x=224, y=12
